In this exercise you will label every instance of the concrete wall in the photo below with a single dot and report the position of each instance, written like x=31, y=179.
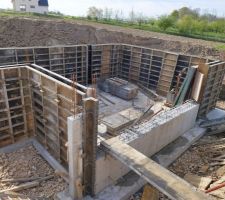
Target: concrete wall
x=109, y=170
x=31, y=6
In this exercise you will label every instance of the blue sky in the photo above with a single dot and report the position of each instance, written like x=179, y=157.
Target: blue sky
x=150, y=8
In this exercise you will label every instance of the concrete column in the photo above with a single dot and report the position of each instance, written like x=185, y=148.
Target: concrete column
x=75, y=129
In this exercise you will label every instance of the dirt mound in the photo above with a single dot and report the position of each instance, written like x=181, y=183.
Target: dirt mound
x=21, y=32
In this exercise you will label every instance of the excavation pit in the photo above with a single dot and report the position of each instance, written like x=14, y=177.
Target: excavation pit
x=51, y=94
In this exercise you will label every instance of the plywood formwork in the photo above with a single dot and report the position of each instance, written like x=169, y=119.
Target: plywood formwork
x=16, y=118
x=214, y=75
x=153, y=69
x=53, y=102
x=63, y=60
x=105, y=60
x=167, y=73
x=33, y=103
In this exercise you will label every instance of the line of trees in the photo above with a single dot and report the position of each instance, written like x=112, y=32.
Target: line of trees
x=184, y=20
x=108, y=14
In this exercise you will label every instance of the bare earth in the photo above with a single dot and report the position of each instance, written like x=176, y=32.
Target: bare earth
x=21, y=32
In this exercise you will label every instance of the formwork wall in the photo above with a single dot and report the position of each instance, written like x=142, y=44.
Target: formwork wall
x=151, y=68
x=16, y=118
x=32, y=103
x=105, y=60
x=63, y=60
x=154, y=69
x=212, y=85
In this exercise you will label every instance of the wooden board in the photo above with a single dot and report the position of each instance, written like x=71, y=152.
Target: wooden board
x=159, y=177
x=197, y=86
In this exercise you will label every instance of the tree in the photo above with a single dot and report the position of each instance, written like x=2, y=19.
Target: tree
x=165, y=22
x=140, y=19
x=132, y=16
x=175, y=14
x=185, y=24
x=94, y=13
x=107, y=13
x=152, y=21
x=189, y=12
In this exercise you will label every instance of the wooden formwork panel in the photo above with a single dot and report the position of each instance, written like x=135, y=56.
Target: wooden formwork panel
x=106, y=55
x=167, y=73
x=32, y=102
x=135, y=64
x=61, y=60
x=214, y=73
x=196, y=61
x=15, y=111
x=52, y=103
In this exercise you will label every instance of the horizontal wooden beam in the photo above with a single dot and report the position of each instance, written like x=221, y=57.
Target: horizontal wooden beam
x=159, y=177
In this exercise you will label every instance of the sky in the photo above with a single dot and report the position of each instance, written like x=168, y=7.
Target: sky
x=150, y=8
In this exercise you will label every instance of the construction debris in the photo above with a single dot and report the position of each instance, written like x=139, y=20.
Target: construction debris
x=217, y=189
x=199, y=182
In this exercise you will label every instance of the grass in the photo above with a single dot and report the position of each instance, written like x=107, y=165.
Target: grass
x=220, y=47
x=210, y=36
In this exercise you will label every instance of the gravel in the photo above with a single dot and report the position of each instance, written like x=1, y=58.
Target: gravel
x=25, y=163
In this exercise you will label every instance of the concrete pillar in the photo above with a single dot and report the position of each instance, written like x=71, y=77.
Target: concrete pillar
x=75, y=129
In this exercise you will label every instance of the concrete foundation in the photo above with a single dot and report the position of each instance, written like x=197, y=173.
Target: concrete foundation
x=148, y=138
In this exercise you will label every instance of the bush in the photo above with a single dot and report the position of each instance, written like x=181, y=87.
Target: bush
x=217, y=26
x=165, y=22
x=185, y=24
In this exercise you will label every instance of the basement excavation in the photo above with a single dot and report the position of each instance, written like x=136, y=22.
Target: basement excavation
x=102, y=121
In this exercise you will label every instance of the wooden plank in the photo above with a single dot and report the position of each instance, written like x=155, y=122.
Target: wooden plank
x=7, y=107
x=23, y=101
x=197, y=86
x=89, y=144
x=159, y=177
x=150, y=193
x=200, y=182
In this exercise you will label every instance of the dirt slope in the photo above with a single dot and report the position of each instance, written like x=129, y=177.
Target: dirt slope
x=22, y=32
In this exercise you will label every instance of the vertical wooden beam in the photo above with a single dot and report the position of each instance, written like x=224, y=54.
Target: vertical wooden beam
x=58, y=126
x=64, y=65
x=90, y=120
x=23, y=102
x=7, y=105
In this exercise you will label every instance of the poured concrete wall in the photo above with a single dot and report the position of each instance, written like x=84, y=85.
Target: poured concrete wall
x=148, y=139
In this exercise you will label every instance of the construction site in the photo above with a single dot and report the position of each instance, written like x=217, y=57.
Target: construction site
x=110, y=121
